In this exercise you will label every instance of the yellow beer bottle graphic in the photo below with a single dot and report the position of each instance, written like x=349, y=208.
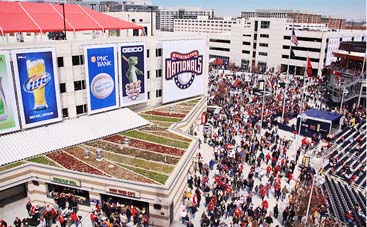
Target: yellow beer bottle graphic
x=37, y=80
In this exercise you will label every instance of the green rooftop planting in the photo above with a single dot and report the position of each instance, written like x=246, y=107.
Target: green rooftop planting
x=159, y=118
x=161, y=178
x=43, y=160
x=157, y=139
x=10, y=166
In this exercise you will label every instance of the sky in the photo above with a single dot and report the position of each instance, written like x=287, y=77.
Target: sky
x=350, y=9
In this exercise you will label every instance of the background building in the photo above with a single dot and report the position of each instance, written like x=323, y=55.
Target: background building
x=265, y=44
x=203, y=24
x=298, y=17
x=168, y=15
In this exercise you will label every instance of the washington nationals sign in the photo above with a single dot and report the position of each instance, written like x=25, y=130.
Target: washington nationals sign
x=184, y=67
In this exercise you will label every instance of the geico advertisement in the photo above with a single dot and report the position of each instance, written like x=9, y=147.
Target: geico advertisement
x=101, y=78
x=183, y=66
x=133, y=74
x=8, y=109
x=37, y=86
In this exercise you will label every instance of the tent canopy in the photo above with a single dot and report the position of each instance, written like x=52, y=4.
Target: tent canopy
x=47, y=17
x=322, y=115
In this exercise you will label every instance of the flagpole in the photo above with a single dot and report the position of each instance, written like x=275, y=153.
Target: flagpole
x=287, y=78
x=301, y=107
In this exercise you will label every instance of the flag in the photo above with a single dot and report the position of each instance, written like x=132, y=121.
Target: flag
x=294, y=39
x=309, y=67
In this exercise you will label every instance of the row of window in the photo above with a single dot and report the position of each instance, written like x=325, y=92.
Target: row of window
x=79, y=59
x=219, y=41
x=284, y=56
x=304, y=39
x=212, y=22
x=309, y=49
x=80, y=109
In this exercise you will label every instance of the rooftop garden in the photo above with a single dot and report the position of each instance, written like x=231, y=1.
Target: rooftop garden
x=149, y=155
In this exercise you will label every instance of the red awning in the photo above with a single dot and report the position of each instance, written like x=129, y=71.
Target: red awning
x=47, y=17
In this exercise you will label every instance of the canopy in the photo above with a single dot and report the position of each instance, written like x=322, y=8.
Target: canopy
x=24, y=144
x=322, y=115
x=47, y=17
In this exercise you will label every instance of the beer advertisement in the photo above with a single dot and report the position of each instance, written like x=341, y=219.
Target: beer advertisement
x=133, y=89
x=8, y=106
x=37, y=86
x=183, y=69
x=101, y=78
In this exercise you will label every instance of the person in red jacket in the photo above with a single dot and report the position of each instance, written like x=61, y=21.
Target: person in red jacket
x=290, y=177
x=62, y=221
x=75, y=219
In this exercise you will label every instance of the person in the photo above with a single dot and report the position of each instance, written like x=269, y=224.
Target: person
x=268, y=220
x=190, y=224
x=276, y=211
x=75, y=219
x=28, y=206
x=3, y=223
x=42, y=222
x=17, y=222
x=62, y=220
x=183, y=215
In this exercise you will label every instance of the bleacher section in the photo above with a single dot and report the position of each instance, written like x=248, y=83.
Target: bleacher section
x=342, y=198
x=347, y=155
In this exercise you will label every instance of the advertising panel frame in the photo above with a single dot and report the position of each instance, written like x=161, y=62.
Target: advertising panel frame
x=19, y=87
x=179, y=84
x=123, y=76
x=333, y=44
x=9, y=101
x=88, y=77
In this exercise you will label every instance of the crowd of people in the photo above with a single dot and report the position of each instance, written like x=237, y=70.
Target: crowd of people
x=115, y=214
x=252, y=169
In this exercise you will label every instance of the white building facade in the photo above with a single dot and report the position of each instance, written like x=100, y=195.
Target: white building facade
x=204, y=24
x=265, y=44
x=167, y=16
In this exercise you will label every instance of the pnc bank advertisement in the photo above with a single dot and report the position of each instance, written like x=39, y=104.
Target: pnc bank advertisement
x=37, y=85
x=101, y=78
x=8, y=106
x=133, y=88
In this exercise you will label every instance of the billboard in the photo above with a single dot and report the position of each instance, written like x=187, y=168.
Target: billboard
x=183, y=69
x=8, y=106
x=332, y=45
x=37, y=86
x=133, y=78
x=101, y=78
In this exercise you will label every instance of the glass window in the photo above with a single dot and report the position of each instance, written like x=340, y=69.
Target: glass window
x=62, y=88
x=60, y=62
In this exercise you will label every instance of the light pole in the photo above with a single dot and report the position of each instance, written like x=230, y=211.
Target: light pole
x=63, y=15
x=263, y=105
x=309, y=200
x=344, y=93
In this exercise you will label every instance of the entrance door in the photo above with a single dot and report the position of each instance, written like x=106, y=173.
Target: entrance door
x=13, y=194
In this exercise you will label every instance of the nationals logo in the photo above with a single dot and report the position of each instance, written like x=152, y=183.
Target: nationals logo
x=184, y=67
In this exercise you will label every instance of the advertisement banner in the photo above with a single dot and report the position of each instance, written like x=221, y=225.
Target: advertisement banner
x=37, y=86
x=8, y=106
x=183, y=69
x=101, y=78
x=133, y=79
x=332, y=45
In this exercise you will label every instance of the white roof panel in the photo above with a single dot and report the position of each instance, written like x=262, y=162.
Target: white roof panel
x=23, y=144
